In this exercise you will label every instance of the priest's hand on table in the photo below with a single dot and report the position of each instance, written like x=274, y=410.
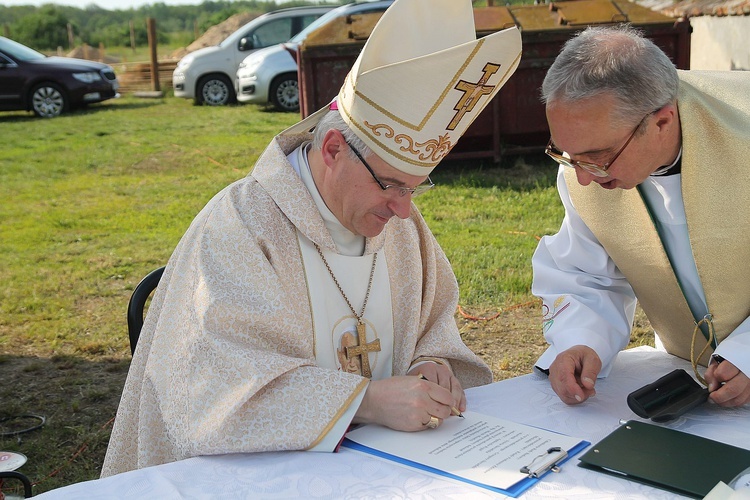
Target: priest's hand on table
x=727, y=384
x=412, y=403
x=573, y=374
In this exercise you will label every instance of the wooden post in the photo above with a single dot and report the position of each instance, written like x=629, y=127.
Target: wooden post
x=152, y=49
x=101, y=52
x=132, y=36
x=6, y=30
x=71, y=40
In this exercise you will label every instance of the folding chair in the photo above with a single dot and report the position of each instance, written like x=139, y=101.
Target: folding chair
x=9, y=474
x=138, y=303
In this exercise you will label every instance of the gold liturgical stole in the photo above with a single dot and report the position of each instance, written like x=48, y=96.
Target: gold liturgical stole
x=715, y=119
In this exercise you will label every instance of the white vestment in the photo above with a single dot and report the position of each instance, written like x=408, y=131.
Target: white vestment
x=227, y=359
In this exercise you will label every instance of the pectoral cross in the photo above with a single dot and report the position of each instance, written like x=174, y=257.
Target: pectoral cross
x=363, y=349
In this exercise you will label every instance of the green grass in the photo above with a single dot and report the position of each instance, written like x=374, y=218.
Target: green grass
x=488, y=221
x=93, y=200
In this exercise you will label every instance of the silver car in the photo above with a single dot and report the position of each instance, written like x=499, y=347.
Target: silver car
x=270, y=75
x=207, y=74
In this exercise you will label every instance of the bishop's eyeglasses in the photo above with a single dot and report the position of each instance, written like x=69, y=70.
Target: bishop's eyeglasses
x=401, y=190
x=595, y=169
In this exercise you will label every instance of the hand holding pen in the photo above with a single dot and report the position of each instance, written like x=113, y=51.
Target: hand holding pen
x=441, y=375
x=413, y=402
x=727, y=384
x=454, y=410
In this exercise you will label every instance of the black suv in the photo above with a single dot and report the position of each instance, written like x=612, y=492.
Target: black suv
x=48, y=86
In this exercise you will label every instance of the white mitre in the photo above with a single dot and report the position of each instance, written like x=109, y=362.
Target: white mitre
x=420, y=81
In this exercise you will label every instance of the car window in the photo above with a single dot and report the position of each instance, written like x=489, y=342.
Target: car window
x=332, y=14
x=18, y=51
x=315, y=25
x=306, y=21
x=272, y=33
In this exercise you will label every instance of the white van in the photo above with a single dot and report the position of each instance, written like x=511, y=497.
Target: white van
x=207, y=75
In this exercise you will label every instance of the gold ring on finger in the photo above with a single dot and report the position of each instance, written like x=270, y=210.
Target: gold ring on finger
x=433, y=423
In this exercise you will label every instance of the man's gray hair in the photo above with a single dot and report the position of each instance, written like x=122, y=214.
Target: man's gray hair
x=333, y=120
x=618, y=61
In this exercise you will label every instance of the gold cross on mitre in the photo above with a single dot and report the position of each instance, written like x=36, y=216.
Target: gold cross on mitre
x=363, y=349
x=472, y=93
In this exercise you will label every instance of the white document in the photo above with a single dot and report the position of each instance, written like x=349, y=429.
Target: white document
x=480, y=449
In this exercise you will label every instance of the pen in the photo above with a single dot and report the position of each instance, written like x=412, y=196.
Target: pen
x=719, y=360
x=454, y=410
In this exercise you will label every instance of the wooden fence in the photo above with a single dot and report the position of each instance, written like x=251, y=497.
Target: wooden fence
x=136, y=77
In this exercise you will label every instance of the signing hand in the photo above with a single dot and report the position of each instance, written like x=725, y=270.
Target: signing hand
x=442, y=376
x=727, y=384
x=573, y=374
x=404, y=403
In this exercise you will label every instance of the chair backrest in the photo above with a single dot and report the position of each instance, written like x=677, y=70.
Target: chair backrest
x=9, y=474
x=138, y=303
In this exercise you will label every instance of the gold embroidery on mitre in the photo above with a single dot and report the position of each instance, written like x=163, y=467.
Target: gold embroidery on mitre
x=349, y=82
x=440, y=147
x=431, y=150
x=472, y=92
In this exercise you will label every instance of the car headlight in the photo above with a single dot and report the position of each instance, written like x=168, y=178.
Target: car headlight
x=248, y=66
x=185, y=62
x=88, y=77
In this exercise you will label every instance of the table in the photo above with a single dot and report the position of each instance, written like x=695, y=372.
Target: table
x=348, y=474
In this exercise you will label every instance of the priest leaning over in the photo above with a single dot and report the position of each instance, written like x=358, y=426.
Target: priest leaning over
x=296, y=303
x=657, y=208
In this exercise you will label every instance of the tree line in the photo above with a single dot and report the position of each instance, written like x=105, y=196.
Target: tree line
x=51, y=26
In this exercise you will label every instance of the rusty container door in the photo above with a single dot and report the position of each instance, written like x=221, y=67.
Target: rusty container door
x=515, y=120
x=327, y=55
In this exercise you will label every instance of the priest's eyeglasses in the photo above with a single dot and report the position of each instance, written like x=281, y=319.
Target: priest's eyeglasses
x=594, y=169
x=401, y=190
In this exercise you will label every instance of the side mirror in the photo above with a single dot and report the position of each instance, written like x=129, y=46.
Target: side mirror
x=245, y=44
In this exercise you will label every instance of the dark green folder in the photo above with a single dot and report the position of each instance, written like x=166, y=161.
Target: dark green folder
x=665, y=458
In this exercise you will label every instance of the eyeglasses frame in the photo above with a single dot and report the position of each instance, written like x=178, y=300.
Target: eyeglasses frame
x=590, y=167
x=402, y=190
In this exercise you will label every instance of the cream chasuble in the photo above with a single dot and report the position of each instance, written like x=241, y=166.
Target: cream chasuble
x=227, y=361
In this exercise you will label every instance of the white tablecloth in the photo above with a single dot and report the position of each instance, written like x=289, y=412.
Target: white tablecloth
x=352, y=475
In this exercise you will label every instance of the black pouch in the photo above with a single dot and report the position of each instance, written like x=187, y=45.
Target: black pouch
x=667, y=398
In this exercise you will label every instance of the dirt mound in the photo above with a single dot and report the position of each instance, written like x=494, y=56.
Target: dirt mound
x=216, y=34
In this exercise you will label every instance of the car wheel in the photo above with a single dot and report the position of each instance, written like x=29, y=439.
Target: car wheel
x=48, y=100
x=215, y=90
x=284, y=93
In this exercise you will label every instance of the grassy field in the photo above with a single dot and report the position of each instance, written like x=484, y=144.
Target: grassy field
x=93, y=200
